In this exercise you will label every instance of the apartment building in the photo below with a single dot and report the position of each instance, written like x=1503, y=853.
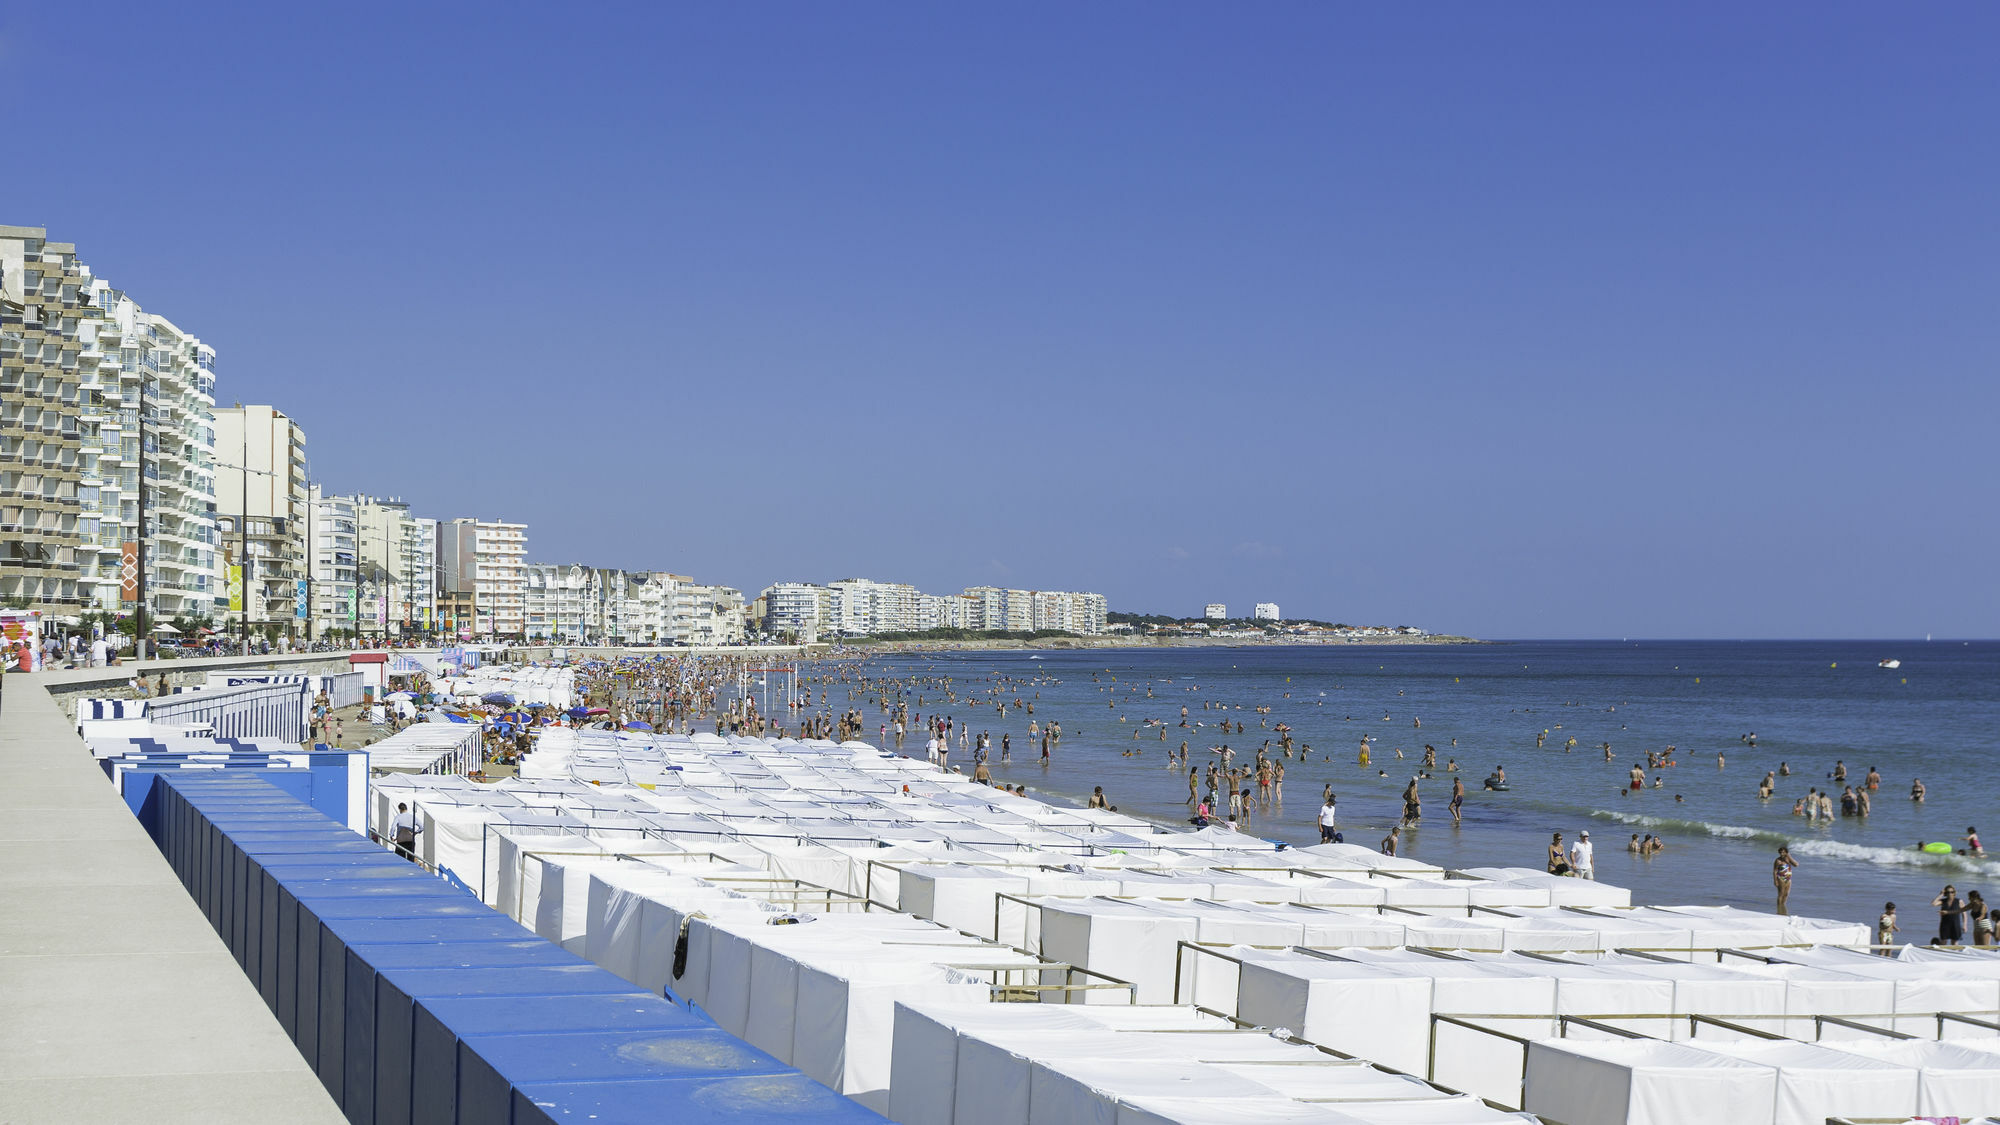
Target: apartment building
x=263, y=513
x=397, y=554
x=1068, y=611
x=803, y=609
x=863, y=606
x=1215, y=611
x=716, y=616
x=948, y=611
x=1012, y=610
x=335, y=551
x=44, y=306
x=1266, y=611
x=487, y=559
x=162, y=413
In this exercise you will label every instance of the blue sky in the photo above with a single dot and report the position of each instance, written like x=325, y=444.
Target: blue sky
x=1515, y=320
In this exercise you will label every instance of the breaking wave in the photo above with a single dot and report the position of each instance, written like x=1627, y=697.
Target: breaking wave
x=1807, y=845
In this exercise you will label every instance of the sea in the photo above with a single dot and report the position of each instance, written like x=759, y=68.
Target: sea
x=1809, y=704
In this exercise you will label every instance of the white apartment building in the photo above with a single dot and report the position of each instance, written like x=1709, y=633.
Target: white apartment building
x=801, y=608
x=863, y=606
x=49, y=539
x=487, y=560
x=151, y=418
x=1266, y=611
x=262, y=511
x=948, y=611
x=1068, y=611
x=397, y=554
x=1215, y=611
x=716, y=618
x=1011, y=610
x=333, y=541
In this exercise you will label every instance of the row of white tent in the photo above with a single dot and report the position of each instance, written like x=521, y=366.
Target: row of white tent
x=554, y=687
x=1023, y=1064
x=734, y=877
x=1759, y=1081
x=1386, y=1004
x=428, y=748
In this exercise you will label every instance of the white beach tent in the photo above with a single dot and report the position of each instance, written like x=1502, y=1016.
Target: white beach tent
x=1352, y=1008
x=1953, y=1080
x=1816, y=1082
x=1645, y=1082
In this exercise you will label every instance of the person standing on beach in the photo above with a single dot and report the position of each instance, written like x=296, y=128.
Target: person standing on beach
x=1457, y=799
x=1558, y=862
x=1951, y=916
x=1580, y=857
x=1781, y=876
x=1886, y=930
x=1326, y=820
x=1389, y=841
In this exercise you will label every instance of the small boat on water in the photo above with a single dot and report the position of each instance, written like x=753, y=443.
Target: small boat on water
x=1890, y=662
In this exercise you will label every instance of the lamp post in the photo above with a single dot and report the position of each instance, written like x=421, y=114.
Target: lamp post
x=139, y=624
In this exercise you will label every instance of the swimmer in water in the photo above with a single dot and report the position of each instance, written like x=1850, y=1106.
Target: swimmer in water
x=1917, y=790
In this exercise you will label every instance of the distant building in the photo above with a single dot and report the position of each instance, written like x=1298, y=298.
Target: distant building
x=1266, y=611
x=486, y=559
x=1215, y=611
x=262, y=482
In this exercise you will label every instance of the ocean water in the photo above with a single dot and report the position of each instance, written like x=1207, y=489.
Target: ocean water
x=1809, y=703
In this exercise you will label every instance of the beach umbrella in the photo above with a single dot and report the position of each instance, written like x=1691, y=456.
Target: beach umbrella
x=499, y=697
x=638, y=726
x=399, y=695
x=577, y=712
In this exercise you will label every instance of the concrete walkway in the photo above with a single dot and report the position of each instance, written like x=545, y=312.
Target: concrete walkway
x=120, y=1003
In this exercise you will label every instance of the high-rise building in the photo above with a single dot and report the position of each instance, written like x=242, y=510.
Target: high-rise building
x=799, y=608
x=44, y=305
x=487, y=559
x=334, y=540
x=397, y=555
x=1266, y=611
x=165, y=403
x=262, y=513
x=1215, y=611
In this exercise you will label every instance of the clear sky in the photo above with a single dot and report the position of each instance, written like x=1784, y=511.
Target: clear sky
x=1507, y=319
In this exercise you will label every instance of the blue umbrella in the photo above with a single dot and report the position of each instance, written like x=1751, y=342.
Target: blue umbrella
x=499, y=698
x=638, y=726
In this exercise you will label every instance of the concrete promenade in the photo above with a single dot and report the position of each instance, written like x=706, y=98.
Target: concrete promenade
x=120, y=1003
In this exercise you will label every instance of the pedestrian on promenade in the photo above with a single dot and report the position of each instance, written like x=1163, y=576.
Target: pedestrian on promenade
x=403, y=830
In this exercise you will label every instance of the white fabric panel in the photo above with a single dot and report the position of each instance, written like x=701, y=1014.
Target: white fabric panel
x=1815, y=1082
x=1745, y=999
x=1335, y=1080
x=1469, y=1060
x=1087, y=1091
x=961, y=897
x=1355, y=1009
x=454, y=840
x=1812, y=991
x=1339, y=929
x=1953, y=1080
x=1119, y=939
x=1642, y=1082
x=1199, y=1111
x=846, y=1021
x=994, y=1068
x=924, y=1062
x=1437, y=1111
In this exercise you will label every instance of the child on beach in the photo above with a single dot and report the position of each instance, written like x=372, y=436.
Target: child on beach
x=1886, y=930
